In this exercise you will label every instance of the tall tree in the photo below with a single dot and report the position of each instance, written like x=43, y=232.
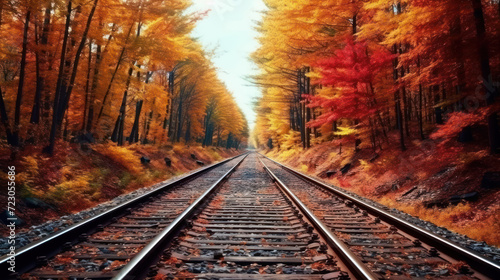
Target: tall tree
x=17, y=116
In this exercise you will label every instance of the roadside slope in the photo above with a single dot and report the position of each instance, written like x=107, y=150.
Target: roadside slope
x=75, y=179
x=416, y=181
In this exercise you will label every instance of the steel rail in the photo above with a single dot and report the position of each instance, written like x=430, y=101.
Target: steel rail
x=137, y=267
x=477, y=262
x=25, y=257
x=356, y=266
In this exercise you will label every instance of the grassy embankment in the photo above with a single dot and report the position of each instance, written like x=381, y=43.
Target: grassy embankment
x=73, y=180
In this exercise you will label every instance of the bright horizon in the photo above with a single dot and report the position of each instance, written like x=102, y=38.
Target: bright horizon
x=229, y=29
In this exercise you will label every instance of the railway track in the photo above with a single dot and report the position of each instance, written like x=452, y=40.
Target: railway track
x=248, y=218
x=250, y=230
x=98, y=247
x=388, y=246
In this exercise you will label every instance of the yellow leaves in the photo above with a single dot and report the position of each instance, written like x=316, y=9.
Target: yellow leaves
x=344, y=131
x=29, y=172
x=70, y=193
x=295, y=34
x=363, y=163
x=304, y=168
x=314, y=75
x=122, y=155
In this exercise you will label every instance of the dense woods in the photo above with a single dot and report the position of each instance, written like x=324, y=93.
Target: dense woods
x=128, y=71
x=373, y=74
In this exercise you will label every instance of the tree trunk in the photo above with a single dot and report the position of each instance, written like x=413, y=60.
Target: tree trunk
x=55, y=113
x=35, y=112
x=207, y=125
x=179, y=121
x=5, y=121
x=118, y=130
x=95, y=79
x=46, y=57
x=419, y=112
x=397, y=101
x=187, y=135
x=87, y=88
x=354, y=25
x=41, y=60
x=302, y=109
x=68, y=92
x=120, y=59
x=484, y=61
x=456, y=32
x=17, y=115
x=134, y=134
x=307, y=82
x=229, y=140
x=168, y=122
x=483, y=50
x=147, y=124
x=405, y=118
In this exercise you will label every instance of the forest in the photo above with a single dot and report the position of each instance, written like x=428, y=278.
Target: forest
x=126, y=71
x=353, y=71
x=394, y=100
x=99, y=98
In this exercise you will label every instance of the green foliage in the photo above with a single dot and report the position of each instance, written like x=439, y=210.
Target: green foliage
x=125, y=179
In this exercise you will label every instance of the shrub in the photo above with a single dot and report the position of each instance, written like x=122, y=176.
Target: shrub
x=71, y=195
x=28, y=176
x=125, y=179
x=122, y=156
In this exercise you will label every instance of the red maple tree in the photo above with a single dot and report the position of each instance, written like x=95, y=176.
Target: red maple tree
x=351, y=70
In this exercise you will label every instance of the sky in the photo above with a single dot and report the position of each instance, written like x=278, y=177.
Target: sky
x=229, y=29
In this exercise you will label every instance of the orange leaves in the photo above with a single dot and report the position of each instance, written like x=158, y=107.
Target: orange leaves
x=63, y=259
x=217, y=203
x=160, y=276
x=115, y=264
x=202, y=221
x=185, y=275
x=148, y=38
x=456, y=122
x=235, y=248
x=318, y=265
x=372, y=63
x=172, y=260
x=204, y=108
x=352, y=70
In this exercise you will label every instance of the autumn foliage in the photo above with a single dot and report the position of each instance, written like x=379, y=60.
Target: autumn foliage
x=357, y=72
x=125, y=71
x=352, y=70
x=394, y=100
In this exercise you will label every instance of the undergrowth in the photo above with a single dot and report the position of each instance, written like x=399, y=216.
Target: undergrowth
x=456, y=218
x=73, y=180
x=437, y=170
